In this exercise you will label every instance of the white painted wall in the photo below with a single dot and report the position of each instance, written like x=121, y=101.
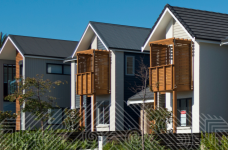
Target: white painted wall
x=117, y=91
x=213, y=83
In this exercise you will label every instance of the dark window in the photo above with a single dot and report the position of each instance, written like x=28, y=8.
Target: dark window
x=58, y=69
x=184, y=112
x=9, y=72
x=56, y=116
x=130, y=65
x=103, y=112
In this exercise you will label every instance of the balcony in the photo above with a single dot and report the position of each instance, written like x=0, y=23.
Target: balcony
x=93, y=72
x=171, y=65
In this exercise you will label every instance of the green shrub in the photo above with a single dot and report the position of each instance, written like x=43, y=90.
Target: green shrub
x=135, y=143
x=210, y=141
x=37, y=140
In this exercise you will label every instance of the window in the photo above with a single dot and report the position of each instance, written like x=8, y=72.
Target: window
x=56, y=116
x=58, y=69
x=184, y=112
x=103, y=112
x=9, y=72
x=130, y=65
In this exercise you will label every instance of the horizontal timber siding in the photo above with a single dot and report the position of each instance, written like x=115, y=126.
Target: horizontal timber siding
x=179, y=31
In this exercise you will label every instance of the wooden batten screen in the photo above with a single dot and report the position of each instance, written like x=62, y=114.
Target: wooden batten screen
x=93, y=72
x=171, y=65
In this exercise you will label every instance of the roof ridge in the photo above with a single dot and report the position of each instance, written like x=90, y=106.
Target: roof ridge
x=119, y=25
x=41, y=38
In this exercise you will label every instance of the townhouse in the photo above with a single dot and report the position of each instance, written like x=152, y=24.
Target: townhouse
x=23, y=56
x=188, y=54
x=103, y=68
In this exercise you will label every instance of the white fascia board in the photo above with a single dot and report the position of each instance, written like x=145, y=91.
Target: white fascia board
x=98, y=36
x=129, y=102
x=16, y=47
x=148, y=40
x=80, y=40
x=40, y=57
x=89, y=25
x=4, y=45
x=167, y=9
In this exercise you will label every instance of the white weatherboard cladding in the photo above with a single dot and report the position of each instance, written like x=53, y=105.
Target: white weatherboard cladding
x=94, y=42
x=117, y=94
x=169, y=29
x=100, y=45
x=213, y=85
x=178, y=31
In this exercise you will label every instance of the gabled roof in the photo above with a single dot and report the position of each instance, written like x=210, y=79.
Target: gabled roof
x=121, y=36
x=199, y=23
x=139, y=95
x=34, y=46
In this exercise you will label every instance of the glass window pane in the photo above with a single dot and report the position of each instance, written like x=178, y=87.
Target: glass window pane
x=5, y=74
x=130, y=65
x=56, y=116
x=66, y=69
x=54, y=68
x=103, y=112
x=10, y=73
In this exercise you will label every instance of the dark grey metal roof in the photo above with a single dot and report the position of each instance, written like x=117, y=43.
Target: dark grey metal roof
x=121, y=36
x=199, y=23
x=139, y=95
x=44, y=47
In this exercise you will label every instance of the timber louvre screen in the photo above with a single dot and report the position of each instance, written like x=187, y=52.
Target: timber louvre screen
x=93, y=75
x=171, y=65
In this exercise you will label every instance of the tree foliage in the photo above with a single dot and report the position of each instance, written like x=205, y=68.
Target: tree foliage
x=33, y=94
x=160, y=117
x=72, y=120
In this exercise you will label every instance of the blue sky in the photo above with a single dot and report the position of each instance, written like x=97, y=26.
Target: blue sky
x=67, y=19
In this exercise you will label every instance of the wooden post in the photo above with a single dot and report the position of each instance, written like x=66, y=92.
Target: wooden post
x=93, y=115
x=174, y=111
x=155, y=99
x=81, y=110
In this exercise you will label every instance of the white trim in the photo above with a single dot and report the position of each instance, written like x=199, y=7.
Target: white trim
x=133, y=67
x=89, y=25
x=40, y=57
x=69, y=60
x=129, y=102
x=98, y=36
x=180, y=24
x=8, y=38
x=80, y=41
x=167, y=9
x=17, y=47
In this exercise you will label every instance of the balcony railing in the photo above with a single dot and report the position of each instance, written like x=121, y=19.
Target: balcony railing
x=171, y=65
x=93, y=72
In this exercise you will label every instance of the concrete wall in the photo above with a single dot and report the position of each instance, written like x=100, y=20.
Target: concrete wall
x=2, y=62
x=213, y=83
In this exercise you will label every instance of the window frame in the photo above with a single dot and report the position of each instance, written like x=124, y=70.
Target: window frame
x=62, y=65
x=133, y=68
x=100, y=104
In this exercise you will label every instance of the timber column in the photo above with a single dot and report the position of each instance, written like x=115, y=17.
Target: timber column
x=81, y=110
x=155, y=100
